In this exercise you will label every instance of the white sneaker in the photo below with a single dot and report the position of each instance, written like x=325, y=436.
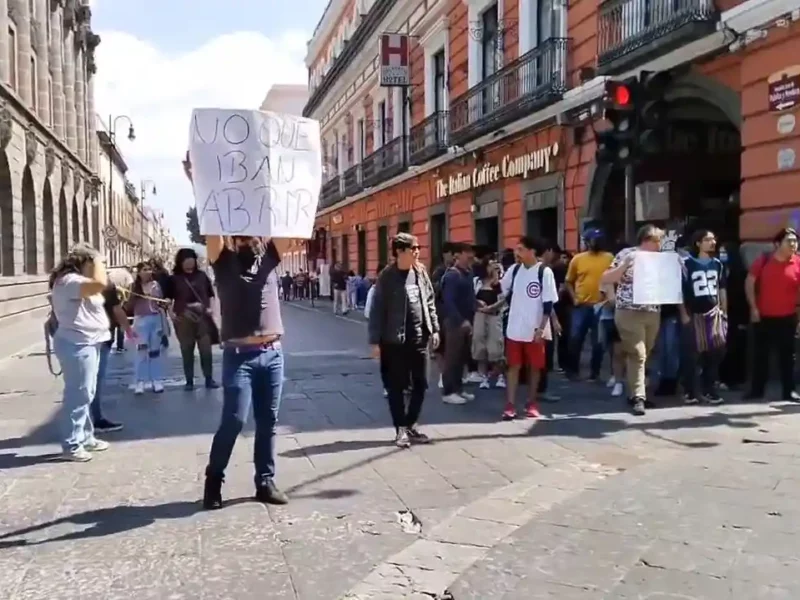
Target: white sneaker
x=501, y=382
x=467, y=396
x=96, y=446
x=441, y=382
x=158, y=387
x=474, y=378
x=611, y=382
x=485, y=383
x=139, y=389
x=385, y=393
x=616, y=392
x=79, y=455
x=454, y=399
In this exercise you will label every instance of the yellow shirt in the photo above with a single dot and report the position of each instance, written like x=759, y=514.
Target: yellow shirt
x=584, y=274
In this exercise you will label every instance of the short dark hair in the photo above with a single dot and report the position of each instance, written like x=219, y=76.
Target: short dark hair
x=783, y=234
x=531, y=243
x=460, y=247
x=447, y=248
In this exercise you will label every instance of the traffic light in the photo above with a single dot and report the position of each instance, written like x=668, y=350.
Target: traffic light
x=652, y=110
x=616, y=138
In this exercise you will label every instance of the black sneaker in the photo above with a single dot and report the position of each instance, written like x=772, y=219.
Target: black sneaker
x=416, y=436
x=211, y=384
x=792, y=397
x=188, y=386
x=212, y=492
x=690, y=399
x=637, y=406
x=401, y=439
x=713, y=398
x=106, y=426
x=268, y=493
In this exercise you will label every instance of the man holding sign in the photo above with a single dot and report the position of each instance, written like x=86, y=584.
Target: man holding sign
x=256, y=178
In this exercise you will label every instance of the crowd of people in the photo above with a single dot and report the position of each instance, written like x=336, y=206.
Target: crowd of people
x=502, y=321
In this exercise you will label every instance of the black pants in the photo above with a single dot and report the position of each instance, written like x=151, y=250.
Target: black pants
x=773, y=333
x=734, y=368
x=399, y=364
x=549, y=346
x=191, y=333
x=707, y=361
x=456, y=354
x=564, y=315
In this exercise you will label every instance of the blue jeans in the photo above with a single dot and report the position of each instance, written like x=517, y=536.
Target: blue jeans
x=669, y=349
x=95, y=407
x=250, y=377
x=80, y=364
x=149, y=331
x=585, y=319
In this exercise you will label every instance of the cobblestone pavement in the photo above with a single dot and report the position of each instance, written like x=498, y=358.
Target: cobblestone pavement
x=588, y=503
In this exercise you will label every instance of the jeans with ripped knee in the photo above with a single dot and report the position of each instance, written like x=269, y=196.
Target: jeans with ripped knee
x=149, y=331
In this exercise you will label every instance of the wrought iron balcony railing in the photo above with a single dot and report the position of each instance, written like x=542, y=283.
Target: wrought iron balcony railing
x=533, y=81
x=330, y=193
x=352, y=181
x=428, y=139
x=631, y=32
x=385, y=163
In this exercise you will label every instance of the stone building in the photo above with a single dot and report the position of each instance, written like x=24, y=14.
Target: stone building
x=48, y=147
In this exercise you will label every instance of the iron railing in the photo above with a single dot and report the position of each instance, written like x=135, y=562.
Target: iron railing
x=352, y=181
x=630, y=32
x=531, y=82
x=330, y=193
x=386, y=162
x=428, y=139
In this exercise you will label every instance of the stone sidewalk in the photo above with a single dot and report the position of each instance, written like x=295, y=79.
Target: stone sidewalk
x=366, y=519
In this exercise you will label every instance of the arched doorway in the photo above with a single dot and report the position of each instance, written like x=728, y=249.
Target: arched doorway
x=48, y=221
x=63, y=224
x=29, y=242
x=86, y=223
x=694, y=178
x=6, y=218
x=76, y=224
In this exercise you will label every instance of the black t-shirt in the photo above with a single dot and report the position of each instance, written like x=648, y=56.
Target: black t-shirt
x=488, y=296
x=111, y=300
x=702, y=281
x=339, y=280
x=415, y=322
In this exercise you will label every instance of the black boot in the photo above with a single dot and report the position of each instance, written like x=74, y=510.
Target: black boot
x=268, y=493
x=212, y=492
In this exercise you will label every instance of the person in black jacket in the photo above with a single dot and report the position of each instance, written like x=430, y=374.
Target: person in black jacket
x=402, y=322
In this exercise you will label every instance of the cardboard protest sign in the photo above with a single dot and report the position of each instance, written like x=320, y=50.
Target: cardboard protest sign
x=255, y=173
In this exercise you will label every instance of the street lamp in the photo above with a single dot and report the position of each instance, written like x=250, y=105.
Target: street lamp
x=112, y=138
x=143, y=186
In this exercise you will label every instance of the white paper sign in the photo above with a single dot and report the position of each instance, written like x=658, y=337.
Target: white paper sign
x=657, y=278
x=255, y=173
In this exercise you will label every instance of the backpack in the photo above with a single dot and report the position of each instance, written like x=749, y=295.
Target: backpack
x=514, y=270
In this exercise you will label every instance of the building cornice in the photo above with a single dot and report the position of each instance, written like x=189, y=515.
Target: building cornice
x=323, y=30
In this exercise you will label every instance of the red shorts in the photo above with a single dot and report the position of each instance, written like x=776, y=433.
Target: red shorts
x=530, y=354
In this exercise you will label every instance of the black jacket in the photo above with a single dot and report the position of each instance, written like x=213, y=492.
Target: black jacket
x=387, y=315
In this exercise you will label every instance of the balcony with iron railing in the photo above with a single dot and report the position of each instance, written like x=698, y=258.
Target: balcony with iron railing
x=352, y=181
x=331, y=192
x=428, y=139
x=386, y=162
x=534, y=80
x=632, y=32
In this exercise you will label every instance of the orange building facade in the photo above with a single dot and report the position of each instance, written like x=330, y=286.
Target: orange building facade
x=495, y=143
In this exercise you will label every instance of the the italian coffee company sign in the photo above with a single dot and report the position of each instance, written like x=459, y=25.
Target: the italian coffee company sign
x=537, y=162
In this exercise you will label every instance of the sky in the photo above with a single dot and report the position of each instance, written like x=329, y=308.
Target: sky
x=158, y=59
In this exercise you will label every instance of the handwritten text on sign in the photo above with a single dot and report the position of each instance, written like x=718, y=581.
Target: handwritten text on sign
x=255, y=173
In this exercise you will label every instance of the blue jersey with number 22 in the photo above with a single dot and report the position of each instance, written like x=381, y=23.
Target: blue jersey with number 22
x=703, y=278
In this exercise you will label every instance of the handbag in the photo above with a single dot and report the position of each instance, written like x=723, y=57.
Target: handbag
x=213, y=330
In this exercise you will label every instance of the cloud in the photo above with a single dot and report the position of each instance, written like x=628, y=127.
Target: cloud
x=158, y=91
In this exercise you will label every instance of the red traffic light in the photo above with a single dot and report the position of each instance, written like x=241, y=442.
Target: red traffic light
x=622, y=95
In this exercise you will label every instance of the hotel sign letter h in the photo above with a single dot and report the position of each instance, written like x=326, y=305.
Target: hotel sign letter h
x=394, y=67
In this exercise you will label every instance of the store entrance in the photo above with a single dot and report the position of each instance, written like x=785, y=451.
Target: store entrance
x=542, y=224
x=487, y=233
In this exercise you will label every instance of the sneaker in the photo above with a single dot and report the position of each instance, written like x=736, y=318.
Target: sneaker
x=454, y=399
x=532, y=411
x=416, y=436
x=106, y=426
x=467, y=396
x=485, y=384
x=611, y=382
x=689, y=399
x=385, y=393
x=268, y=493
x=158, y=387
x=441, y=382
x=401, y=438
x=211, y=384
x=212, y=492
x=139, y=389
x=792, y=397
x=96, y=445
x=713, y=398
x=188, y=386
x=509, y=412
x=501, y=382
x=473, y=378
x=617, y=390
x=79, y=455
x=637, y=406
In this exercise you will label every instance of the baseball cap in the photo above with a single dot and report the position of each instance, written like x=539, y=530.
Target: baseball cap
x=592, y=233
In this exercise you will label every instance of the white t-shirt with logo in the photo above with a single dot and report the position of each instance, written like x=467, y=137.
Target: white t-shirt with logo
x=527, y=300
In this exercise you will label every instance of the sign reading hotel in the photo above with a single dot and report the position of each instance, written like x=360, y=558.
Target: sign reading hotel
x=488, y=173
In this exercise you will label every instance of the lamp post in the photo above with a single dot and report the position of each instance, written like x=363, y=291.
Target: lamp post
x=112, y=138
x=144, y=184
